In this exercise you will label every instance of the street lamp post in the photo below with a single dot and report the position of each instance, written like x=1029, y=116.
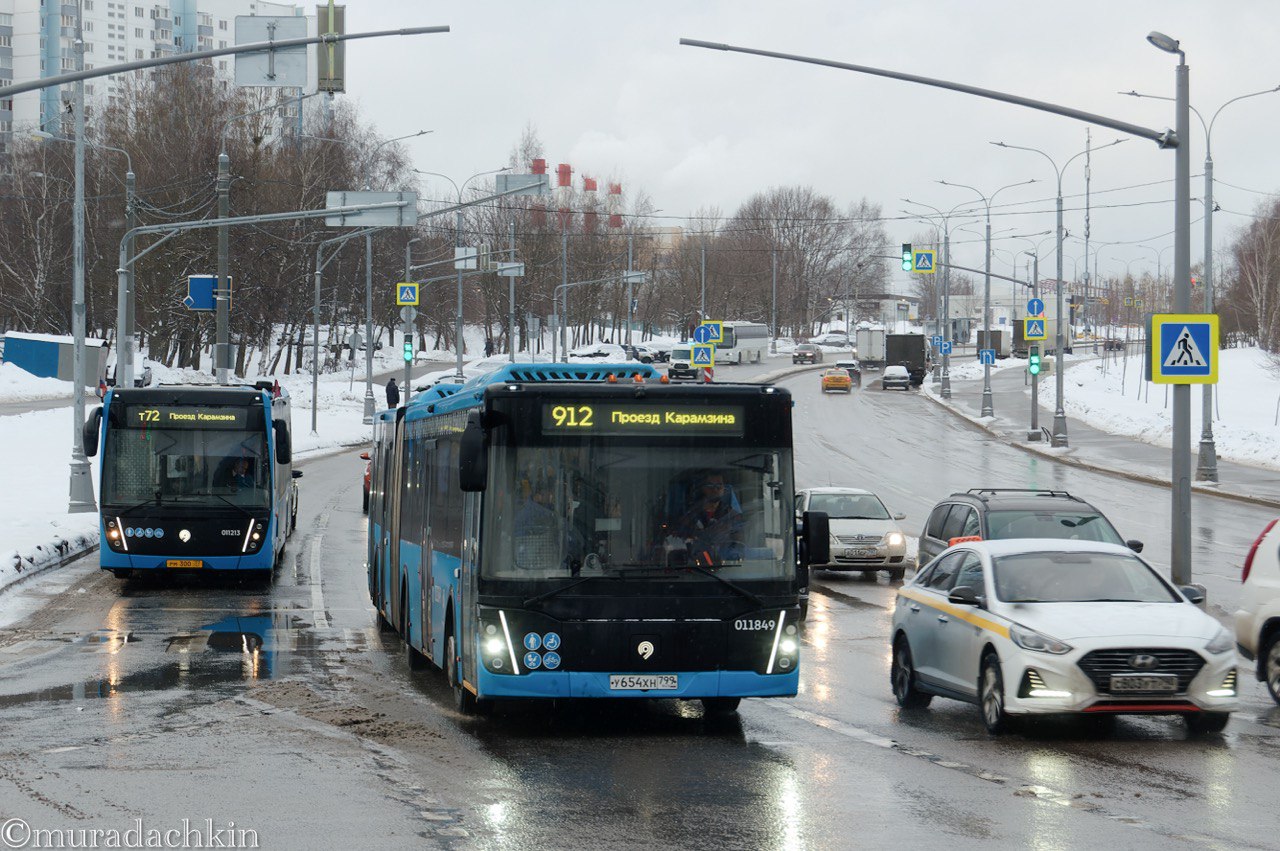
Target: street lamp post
x=81, y=488
x=1059, y=437
x=1207, y=464
x=457, y=241
x=988, y=408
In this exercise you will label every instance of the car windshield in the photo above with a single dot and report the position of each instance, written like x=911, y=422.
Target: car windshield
x=605, y=508
x=806, y=347
x=1047, y=523
x=849, y=506
x=1077, y=577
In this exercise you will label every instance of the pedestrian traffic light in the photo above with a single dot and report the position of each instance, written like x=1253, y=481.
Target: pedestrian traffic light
x=1033, y=364
x=408, y=351
x=907, y=257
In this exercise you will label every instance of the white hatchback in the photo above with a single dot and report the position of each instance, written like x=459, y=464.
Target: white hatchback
x=1258, y=618
x=1037, y=627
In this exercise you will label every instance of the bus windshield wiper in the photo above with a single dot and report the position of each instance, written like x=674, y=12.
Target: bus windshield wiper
x=546, y=595
x=239, y=508
x=156, y=499
x=735, y=587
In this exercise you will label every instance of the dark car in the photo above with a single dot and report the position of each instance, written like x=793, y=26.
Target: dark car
x=995, y=514
x=806, y=353
x=1111, y=344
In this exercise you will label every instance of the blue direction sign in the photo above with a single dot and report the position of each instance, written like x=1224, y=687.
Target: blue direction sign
x=704, y=356
x=935, y=340
x=987, y=356
x=945, y=348
x=1035, y=307
x=1033, y=329
x=200, y=290
x=923, y=262
x=407, y=294
x=1184, y=348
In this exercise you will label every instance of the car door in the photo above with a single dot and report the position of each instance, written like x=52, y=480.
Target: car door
x=931, y=540
x=924, y=606
x=959, y=637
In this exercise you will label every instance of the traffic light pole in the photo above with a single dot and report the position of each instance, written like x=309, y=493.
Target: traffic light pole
x=1033, y=356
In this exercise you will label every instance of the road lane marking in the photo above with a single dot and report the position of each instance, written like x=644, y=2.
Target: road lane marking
x=317, y=592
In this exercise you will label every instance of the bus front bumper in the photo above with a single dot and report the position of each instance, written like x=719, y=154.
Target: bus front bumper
x=689, y=685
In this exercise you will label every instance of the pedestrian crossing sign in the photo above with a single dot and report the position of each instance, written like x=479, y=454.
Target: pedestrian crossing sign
x=1184, y=348
x=704, y=356
x=407, y=293
x=1033, y=329
x=923, y=262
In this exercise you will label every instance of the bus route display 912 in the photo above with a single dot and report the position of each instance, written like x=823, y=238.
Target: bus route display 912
x=185, y=416
x=615, y=419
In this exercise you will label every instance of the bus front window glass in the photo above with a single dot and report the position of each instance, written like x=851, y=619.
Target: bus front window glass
x=186, y=466
x=604, y=508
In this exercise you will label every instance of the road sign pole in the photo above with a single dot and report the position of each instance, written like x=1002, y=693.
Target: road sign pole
x=946, y=310
x=368, y=329
x=1034, y=434
x=1207, y=458
x=1180, y=525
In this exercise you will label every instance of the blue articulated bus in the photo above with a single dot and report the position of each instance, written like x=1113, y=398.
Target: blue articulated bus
x=572, y=531
x=194, y=477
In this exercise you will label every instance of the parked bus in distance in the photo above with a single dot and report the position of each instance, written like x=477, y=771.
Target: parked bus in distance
x=193, y=477
x=742, y=342
x=549, y=531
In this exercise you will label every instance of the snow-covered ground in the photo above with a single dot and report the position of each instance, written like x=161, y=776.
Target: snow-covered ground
x=1112, y=396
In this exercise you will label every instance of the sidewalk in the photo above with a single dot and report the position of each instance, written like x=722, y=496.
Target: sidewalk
x=1089, y=447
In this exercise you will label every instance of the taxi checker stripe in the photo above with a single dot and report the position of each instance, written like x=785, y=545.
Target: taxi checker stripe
x=965, y=614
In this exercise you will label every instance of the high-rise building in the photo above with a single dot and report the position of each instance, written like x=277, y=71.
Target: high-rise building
x=37, y=39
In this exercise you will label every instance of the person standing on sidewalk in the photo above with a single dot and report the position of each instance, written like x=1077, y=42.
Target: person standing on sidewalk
x=393, y=394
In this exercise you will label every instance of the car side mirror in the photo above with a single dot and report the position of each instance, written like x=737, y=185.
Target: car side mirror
x=297, y=474
x=1193, y=594
x=963, y=595
x=364, y=456
x=899, y=516
x=817, y=537
x=1134, y=545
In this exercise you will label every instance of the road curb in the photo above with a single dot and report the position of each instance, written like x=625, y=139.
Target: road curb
x=71, y=553
x=1249, y=499
x=784, y=372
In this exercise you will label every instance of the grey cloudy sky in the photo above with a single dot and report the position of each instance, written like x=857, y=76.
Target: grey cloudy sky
x=610, y=91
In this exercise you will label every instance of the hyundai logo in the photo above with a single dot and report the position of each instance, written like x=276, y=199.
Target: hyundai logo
x=1143, y=662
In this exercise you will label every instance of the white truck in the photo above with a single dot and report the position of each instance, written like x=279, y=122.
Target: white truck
x=870, y=345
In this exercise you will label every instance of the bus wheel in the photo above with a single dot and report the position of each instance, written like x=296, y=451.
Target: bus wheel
x=720, y=705
x=122, y=573
x=463, y=700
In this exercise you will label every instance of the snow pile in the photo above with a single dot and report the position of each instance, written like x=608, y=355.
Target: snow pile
x=1248, y=394
x=18, y=385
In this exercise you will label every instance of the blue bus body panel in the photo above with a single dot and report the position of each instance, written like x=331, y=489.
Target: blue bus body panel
x=444, y=572
x=586, y=684
x=109, y=559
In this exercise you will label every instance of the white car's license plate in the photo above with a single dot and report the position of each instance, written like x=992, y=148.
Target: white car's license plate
x=643, y=682
x=860, y=552
x=1145, y=682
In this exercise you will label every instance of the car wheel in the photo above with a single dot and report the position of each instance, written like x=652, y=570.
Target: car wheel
x=1201, y=723
x=720, y=705
x=991, y=696
x=365, y=507
x=896, y=574
x=902, y=678
x=1270, y=657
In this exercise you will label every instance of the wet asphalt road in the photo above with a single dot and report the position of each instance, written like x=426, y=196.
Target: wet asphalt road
x=284, y=710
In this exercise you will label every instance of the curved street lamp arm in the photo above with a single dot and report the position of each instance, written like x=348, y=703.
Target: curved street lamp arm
x=1209, y=130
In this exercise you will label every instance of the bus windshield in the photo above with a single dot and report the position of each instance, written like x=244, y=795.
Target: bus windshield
x=186, y=466
x=673, y=512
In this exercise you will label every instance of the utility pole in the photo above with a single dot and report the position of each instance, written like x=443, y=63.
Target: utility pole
x=81, y=488
x=1085, y=311
x=511, y=299
x=630, y=299
x=457, y=322
x=773, y=347
x=564, y=280
x=223, y=300
x=702, y=304
x=946, y=309
x=1034, y=349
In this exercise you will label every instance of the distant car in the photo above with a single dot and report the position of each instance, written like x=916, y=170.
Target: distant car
x=832, y=339
x=140, y=379
x=368, y=470
x=853, y=368
x=806, y=353
x=1258, y=618
x=864, y=534
x=646, y=353
x=1111, y=344
x=895, y=375
x=604, y=352
x=836, y=379
x=995, y=514
x=1049, y=627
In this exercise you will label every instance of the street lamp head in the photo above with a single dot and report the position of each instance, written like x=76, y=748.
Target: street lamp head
x=1164, y=42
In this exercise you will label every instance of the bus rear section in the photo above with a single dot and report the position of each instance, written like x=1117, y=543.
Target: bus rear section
x=628, y=539
x=193, y=478
x=742, y=342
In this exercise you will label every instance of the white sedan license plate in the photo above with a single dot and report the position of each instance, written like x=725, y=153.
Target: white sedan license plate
x=1145, y=682
x=643, y=682
x=860, y=552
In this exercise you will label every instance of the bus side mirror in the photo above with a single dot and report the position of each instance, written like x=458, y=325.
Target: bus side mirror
x=90, y=433
x=284, y=446
x=473, y=460
x=817, y=538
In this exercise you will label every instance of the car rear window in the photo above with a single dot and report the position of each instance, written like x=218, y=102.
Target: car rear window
x=1065, y=525
x=1073, y=577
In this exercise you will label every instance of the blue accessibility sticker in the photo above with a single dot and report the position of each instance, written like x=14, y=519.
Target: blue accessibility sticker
x=551, y=661
x=532, y=641
x=551, y=641
x=532, y=660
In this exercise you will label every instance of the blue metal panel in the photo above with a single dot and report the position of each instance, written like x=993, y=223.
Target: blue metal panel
x=593, y=684
x=444, y=572
x=38, y=357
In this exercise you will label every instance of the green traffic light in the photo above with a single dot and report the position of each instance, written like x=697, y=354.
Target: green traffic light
x=408, y=351
x=1033, y=366
x=907, y=259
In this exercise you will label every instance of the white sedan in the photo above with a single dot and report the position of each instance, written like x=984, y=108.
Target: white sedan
x=1031, y=627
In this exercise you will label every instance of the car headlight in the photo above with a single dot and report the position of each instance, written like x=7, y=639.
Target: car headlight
x=895, y=539
x=1029, y=639
x=1221, y=643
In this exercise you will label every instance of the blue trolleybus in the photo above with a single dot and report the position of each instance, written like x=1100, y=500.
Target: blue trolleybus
x=193, y=477
x=572, y=531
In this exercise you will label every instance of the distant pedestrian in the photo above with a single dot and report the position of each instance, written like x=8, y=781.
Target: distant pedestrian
x=393, y=394
x=488, y=347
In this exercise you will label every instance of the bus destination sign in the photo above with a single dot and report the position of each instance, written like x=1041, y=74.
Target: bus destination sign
x=616, y=419
x=186, y=416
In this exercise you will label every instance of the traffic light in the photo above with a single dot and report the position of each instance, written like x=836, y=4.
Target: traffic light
x=408, y=351
x=907, y=257
x=1033, y=364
